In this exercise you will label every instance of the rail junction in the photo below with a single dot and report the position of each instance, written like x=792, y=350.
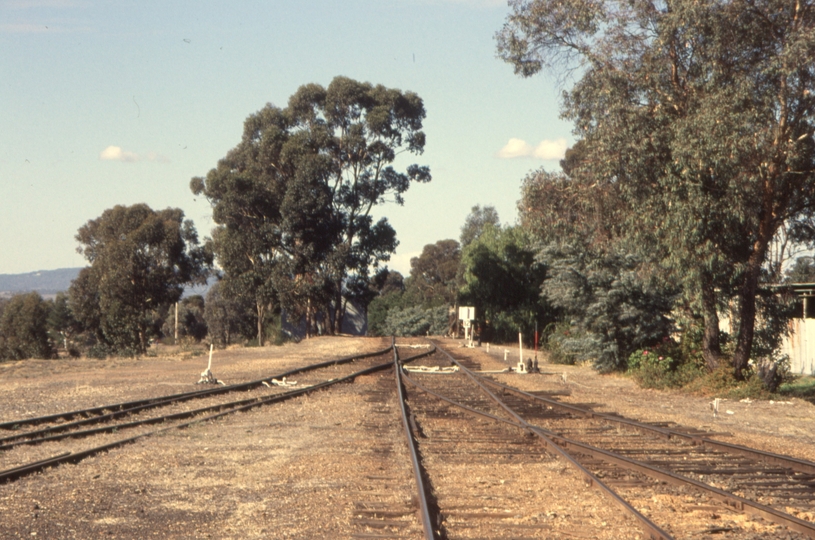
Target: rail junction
x=451, y=452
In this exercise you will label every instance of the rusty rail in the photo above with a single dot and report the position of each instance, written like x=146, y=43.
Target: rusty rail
x=653, y=531
x=731, y=500
x=418, y=473
x=138, y=405
x=30, y=468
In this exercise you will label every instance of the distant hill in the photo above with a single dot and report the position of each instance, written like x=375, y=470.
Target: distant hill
x=49, y=282
x=45, y=282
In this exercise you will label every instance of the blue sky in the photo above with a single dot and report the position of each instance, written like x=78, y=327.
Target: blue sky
x=122, y=102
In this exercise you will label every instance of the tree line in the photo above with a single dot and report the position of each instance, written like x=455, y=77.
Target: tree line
x=295, y=233
x=690, y=185
x=694, y=171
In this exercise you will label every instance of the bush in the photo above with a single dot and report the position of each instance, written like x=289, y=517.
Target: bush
x=723, y=383
x=611, y=297
x=416, y=321
x=100, y=351
x=378, y=311
x=662, y=367
x=557, y=343
x=24, y=328
x=667, y=365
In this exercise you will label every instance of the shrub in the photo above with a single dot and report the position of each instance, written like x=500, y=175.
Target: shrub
x=416, y=321
x=665, y=366
x=24, y=328
x=723, y=383
x=558, y=343
x=378, y=311
x=616, y=303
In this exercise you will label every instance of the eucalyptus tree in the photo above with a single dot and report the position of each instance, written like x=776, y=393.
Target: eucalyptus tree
x=140, y=259
x=474, y=224
x=433, y=274
x=294, y=200
x=613, y=294
x=502, y=278
x=24, y=328
x=702, y=114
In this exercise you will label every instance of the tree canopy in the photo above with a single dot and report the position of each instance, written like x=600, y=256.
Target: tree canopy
x=474, y=225
x=24, y=328
x=502, y=278
x=140, y=261
x=433, y=274
x=293, y=201
x=700, y=115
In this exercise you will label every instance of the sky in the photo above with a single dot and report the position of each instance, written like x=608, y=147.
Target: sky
x=119, y=102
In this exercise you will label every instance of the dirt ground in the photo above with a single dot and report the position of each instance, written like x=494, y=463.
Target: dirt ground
x=266, y=473
x=785, y=427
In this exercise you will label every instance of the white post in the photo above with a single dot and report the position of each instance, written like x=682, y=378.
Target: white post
x=521, y=346
x=209, y=366
x=176, y=323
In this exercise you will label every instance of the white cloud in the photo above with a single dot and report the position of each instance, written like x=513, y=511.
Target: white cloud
x=158, y=158
x=545, y=150
x=551, y=149
x=401, y=262
x=515, y=148
x=115, y=153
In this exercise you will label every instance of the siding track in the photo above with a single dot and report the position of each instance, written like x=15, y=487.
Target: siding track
x=56, y=443
x=645, y=462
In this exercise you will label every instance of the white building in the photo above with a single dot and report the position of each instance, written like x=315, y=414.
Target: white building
x=800, y=344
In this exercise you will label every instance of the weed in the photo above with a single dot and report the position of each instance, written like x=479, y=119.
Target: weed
x=723, y=383
x=801, y=387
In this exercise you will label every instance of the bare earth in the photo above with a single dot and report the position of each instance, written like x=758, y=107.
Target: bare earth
x=298, y=469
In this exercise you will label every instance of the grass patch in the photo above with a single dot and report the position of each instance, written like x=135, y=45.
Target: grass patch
x=722, y=383
x=802, y=387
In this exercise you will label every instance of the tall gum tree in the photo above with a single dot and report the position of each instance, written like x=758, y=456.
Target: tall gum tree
x=140, y=259
x=702, y=113
x=301, y=185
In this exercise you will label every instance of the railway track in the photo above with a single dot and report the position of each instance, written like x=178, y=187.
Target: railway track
x=479, y=458
x=635, y=465
x=489, y=476
x=32, y=445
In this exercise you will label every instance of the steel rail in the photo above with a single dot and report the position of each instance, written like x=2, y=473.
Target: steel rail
x=58, y=431
x=424, y=507
x=30, y=468
x=731, y=500
x=650, y=528
x=175, y=398
x=147, y=421
x=796, y=464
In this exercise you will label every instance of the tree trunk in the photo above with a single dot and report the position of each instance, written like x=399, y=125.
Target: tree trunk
x=142, y=341
x=261, y=313
x=711, y=345
x=747, y=300
x=338, y=311
x=747, y=319
x=310, y=323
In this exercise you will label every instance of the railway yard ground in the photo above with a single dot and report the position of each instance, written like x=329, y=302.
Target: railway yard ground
x=318, y=466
